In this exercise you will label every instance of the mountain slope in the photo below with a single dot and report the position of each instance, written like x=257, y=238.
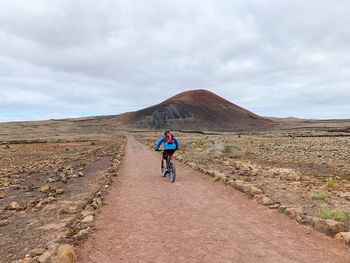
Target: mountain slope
x=196, y=110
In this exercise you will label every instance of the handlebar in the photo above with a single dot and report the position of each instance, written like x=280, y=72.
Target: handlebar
x=159, y=150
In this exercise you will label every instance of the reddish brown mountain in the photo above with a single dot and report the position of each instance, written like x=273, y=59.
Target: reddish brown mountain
x=196, y=110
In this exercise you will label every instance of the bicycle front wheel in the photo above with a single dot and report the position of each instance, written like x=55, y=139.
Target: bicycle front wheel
x=171, y=173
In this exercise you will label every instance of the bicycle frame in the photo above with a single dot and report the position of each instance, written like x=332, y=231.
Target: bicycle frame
x=167, y=161
x=170, y=170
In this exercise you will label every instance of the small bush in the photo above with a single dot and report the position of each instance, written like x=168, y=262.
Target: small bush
x=341, y=216
x=215, y=154
x=320, y=196
x=324, y=213
x=333, y=185
x=204, y=155
x=233, y=151
x=208, y=144
x=188, y=156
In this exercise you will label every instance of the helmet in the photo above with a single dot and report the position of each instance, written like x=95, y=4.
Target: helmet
x=166, y=132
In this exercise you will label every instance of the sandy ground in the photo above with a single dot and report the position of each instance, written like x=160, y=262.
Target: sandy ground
x=44, y=187
x=148, y=219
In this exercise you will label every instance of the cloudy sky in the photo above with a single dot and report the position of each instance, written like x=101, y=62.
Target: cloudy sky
x=67, y=58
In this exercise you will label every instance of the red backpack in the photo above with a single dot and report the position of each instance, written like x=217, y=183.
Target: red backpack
x=169, y=138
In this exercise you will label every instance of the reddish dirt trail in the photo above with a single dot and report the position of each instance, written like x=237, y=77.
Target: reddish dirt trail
x=194, y=220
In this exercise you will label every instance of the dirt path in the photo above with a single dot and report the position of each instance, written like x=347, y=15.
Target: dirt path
x=194, y=220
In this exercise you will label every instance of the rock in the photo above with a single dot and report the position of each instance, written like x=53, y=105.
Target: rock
x=81, y=174
x=16, y=187
x=88, y=219
x=274, y=206
x=75, y=176
x=14, y=206
x=36, y=252
x=83, y=234
x=254, y=191
x=49, y=200
x=111, y=170
x=225, y=180
x=59, y=191
x=69, y=171
x=292, y=177
x=294, y=213
x=266, y=201
x=65, y=254
x=306, y=220
x=45, y=188
x=44, y=258
x=239, y=185
x=87, y=212
x=4, y=222
x=52, y=247
x=86, y=222
x=51, y=180
x=46, y=201
x=343, y=237
x=97, y=203
x=211, y=173
x=329, y=227
x=2, y=194
x=39, y=205
x=27, y=259
x=69, y=210
x=231, y=182
x=69, y=233
x=63, y=179
x=282, y=208
x=336, y=226
x=217, y=178
x=218, y=174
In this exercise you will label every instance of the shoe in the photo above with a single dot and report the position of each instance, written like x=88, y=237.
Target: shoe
x=163, y=172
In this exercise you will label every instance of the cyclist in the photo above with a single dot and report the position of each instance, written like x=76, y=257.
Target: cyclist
x=171, y=144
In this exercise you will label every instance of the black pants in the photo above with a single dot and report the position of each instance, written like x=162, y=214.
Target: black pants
x=167, y=153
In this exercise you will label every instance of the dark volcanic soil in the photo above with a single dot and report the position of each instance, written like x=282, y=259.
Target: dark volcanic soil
x=196, y=110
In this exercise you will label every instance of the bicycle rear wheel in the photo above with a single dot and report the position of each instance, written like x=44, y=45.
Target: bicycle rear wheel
x=171, y=172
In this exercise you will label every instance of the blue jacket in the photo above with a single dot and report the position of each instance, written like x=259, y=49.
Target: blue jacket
x=167, y=146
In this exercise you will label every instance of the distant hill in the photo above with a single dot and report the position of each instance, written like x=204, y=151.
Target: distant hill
x=196, y=110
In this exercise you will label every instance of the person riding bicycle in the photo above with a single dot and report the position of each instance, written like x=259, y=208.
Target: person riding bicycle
x=171, y=144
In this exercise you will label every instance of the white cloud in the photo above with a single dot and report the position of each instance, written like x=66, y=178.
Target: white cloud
x=69, y=58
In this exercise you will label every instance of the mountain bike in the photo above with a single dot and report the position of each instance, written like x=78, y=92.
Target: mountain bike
x=169, y=171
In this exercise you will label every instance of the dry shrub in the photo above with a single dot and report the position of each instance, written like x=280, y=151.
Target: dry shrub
x=320, y=196
x=209, y=149
x=233, y=151
x=333, y=185
x=339, y=215
x=324, y=213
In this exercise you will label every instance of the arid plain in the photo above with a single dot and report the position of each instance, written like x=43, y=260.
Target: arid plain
x=54, y=174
